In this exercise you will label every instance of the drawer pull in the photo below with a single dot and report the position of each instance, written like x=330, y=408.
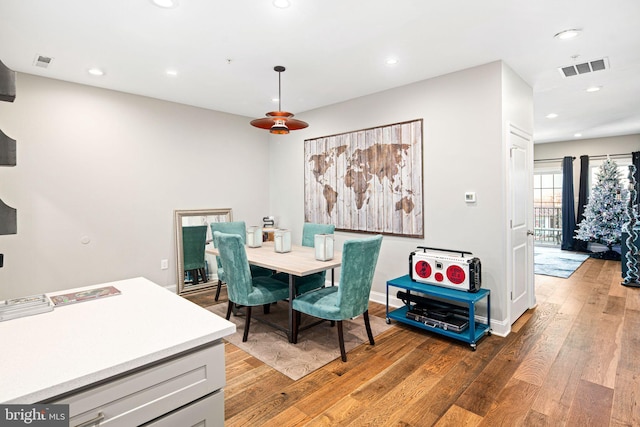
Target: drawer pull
x=93, y=422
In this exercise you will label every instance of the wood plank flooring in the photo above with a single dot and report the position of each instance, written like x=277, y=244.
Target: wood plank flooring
x=574, y=360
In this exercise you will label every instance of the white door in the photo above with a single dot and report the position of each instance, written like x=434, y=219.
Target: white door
x=520, y=239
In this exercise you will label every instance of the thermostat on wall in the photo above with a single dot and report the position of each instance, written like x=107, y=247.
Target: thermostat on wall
x=470, y=197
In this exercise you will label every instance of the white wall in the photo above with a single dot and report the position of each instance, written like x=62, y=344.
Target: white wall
x=113, y=167
x=591, y=147
x=463, y=151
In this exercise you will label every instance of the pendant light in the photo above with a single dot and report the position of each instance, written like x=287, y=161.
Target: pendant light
x=279, y=122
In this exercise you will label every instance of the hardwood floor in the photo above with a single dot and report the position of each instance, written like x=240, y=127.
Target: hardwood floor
x=574, y=360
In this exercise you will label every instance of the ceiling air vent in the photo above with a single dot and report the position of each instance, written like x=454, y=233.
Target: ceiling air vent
x=42, y=61
x=585, y=67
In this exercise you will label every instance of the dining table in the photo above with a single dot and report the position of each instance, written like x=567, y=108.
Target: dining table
x=299, y=261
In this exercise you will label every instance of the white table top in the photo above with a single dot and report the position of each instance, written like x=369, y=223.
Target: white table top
x=79, y=344
x=301, y=261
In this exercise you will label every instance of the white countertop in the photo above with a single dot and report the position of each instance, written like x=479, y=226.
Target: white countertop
x=76, y=345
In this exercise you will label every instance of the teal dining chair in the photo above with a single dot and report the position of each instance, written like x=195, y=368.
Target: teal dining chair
x=194, y=239
x=244, y=289
x=316, y=280
x=351, y=297
x=239, y=228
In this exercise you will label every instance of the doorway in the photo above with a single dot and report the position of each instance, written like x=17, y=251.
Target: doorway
x=520, y=245
x=547, y=207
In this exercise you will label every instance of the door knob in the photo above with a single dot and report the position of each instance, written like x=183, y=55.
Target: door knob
x=530, y=233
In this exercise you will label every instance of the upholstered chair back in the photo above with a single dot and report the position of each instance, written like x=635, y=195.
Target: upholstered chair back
x=309, y=230
x=359, y=259
x=233, y=227
x=194, y=239
x=233, y=258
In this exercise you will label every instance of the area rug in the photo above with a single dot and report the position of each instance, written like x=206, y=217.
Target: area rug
x=555, y=262
x=316, y=346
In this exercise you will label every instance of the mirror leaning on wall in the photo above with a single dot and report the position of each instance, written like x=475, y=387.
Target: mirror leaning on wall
x=193, y=276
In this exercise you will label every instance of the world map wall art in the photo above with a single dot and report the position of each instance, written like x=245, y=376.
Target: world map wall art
x=368, y=180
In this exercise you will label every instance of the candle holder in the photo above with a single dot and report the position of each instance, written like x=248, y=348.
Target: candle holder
x=282, y=241
x=254, y=236
x=323, y=244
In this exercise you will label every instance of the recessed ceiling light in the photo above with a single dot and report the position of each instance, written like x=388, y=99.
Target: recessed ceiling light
x=577, y=135
x=568, y=34
x=391, y=61
x=171, y=73
x=96, y=72
x=551, y=116
x=281, y=4
x=166, y=4
x=594, y=88
x=275, y=99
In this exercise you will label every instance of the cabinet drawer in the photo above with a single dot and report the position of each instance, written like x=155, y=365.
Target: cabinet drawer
x=208, y=412
x=148, y=394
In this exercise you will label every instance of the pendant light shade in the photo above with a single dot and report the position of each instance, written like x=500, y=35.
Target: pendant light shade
x=279, y=122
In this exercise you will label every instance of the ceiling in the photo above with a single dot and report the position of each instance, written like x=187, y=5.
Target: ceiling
x=335, y=50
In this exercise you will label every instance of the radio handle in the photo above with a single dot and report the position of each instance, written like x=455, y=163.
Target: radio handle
x=445, y=250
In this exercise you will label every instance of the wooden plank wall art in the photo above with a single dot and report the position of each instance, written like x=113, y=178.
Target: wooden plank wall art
x=367, y=181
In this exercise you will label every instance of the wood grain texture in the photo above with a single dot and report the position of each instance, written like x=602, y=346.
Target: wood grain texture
x=571, y=361
x=300, y=261
x=512, y=404
x=368, y=180
x=591, y=406
x=458, y=417
x=626, y=402
x=536, y=365
x=558, y=391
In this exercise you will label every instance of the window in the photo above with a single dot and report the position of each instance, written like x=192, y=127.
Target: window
x=547, y=205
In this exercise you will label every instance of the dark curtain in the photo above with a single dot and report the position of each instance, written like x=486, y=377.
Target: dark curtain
x=635, y=158
x=568, y=211
x=583, y=194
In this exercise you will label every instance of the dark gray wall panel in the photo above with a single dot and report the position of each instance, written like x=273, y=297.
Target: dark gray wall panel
x=7, y=150
x=7, y=83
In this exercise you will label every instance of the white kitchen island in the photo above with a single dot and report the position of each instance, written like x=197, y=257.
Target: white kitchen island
x=144, y=355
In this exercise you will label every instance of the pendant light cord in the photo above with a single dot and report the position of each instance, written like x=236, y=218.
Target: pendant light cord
x=279, y=92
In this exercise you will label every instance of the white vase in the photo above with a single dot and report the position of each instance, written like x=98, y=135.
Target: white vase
x=282, y=241
x=254, y=236
x=323, y=244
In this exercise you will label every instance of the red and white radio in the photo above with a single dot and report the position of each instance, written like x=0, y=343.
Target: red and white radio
x=444, y=267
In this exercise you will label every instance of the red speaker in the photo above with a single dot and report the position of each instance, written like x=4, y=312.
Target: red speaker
x=444, y=267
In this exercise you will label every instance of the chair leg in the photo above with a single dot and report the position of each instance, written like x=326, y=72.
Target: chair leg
x=229, y=309
x=368, y=326
x=218, y=290
x=266, y=309
x=194, y=276
x=297, y=317
x=341, y=339
x=246, y=324
x=203, y=273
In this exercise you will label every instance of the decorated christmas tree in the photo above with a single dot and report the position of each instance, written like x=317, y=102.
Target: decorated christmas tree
x=604, y=214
